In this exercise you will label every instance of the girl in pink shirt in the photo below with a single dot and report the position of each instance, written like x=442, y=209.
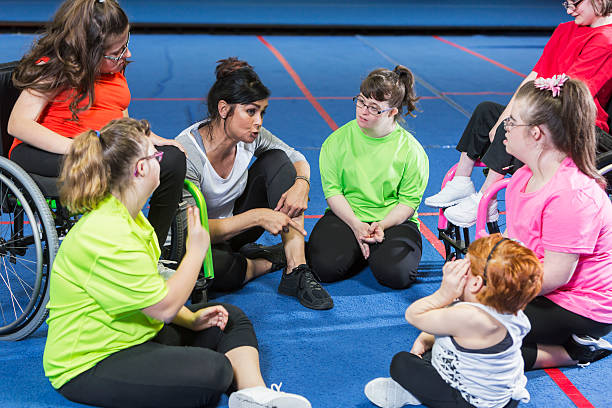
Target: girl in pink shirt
x=557, y=206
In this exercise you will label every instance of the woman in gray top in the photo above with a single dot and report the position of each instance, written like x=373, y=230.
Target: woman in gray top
x=243, y=201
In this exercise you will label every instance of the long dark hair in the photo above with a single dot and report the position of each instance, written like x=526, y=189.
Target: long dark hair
x=395, y=86
x=72, y=45
x=570, y=118
x=237, y=83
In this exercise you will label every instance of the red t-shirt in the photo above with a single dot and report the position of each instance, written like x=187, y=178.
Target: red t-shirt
x=584, y=53
x=111, y=98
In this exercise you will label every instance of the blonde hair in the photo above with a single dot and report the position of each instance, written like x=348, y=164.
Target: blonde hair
x=100, y=162
x=514, y=273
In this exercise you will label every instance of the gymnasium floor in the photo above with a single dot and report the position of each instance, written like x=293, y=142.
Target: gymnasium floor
x=326, y=356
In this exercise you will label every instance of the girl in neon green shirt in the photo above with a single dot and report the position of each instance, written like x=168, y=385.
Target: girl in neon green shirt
x=119, y=335
x=374, y=173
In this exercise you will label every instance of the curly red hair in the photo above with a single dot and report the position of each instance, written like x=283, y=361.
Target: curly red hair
x=514, y=273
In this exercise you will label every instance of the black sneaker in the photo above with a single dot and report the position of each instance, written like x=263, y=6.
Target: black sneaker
x=301, y=284
x=274, y=253
x=586, y=349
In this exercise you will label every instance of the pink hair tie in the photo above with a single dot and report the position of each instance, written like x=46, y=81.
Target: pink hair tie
x=553, y=84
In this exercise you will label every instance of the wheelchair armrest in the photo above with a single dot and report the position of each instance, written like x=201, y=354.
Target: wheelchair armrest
x=481, y=220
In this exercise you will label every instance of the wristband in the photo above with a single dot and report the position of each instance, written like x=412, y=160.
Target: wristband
x=303, y=178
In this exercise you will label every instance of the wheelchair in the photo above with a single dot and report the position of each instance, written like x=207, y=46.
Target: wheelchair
x=456, y=239
x=32, y=224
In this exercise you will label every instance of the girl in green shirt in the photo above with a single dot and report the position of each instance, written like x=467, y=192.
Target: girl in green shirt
x=119, y=335
x=374, y=173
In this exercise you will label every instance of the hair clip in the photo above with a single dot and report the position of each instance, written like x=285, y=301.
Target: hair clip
x=101, y=1
x=97, y=133
x=553, y=84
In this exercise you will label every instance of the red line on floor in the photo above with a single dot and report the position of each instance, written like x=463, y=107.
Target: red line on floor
x=479, y=56
x=568, y=388
x=299, y=83
x=433, y=240
x=304, y=98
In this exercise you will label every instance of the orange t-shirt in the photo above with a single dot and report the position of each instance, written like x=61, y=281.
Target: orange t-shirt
x=111, y=98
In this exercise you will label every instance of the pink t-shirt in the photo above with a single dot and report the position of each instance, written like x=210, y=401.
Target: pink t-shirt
x=570, y=214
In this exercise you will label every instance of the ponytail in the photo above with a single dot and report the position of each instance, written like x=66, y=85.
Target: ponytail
x=395, y=86
x=98, y=163
x=570, y=118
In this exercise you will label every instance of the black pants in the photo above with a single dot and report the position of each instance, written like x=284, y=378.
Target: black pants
x=334, y=254
x=165, y=198
x=177, y=368
x=269, y=177
x=419, y=377
x=476, y=143
x=552, y=324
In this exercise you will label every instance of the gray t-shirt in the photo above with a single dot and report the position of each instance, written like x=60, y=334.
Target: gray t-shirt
x=221, y=193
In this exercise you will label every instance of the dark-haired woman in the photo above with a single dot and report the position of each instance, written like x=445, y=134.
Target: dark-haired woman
x=73, y=80
x=374, y=173
x=243, y=201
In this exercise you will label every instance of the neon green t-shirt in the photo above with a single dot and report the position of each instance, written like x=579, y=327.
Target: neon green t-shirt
x=374, y=174
x=105, y=271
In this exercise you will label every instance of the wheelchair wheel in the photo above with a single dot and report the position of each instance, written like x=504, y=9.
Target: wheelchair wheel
x=174, y=249
x=28, y=244
x=604, y=166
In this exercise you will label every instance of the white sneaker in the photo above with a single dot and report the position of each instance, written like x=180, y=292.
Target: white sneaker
x=263, y=397
x=163, y=270
x=453, y=192
x=386, y=393
x=465, y=213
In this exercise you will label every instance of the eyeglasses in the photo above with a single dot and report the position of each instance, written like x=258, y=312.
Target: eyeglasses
x=571, y=5
x=157, y=156
x=509, y=124
x=123, y=51
x=360, y=103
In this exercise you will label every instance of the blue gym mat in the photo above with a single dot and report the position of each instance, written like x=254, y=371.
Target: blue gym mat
x=328, y=356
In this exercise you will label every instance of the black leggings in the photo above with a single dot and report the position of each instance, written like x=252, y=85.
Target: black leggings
x=552, y=324
x=177, y=368
x=476, y=143
x=165, y=198
x=419, y=377
x=269, y=177
x=334, y=254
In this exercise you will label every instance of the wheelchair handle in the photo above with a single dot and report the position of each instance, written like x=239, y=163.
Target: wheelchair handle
x=201, y=203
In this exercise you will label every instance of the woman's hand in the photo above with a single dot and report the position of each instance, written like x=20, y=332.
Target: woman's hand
x=361, y=232
x=294, y=201
x=454, y=278
x=161, y=141
x=276, y=222
x=209, y=317
x=198, y=238
x=376, y=234
x=423, y=343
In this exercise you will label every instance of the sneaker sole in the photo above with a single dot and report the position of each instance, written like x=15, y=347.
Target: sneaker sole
x=280, y=402
x=444, y=205
x=322, y=306
x=383, y=402
x=600, y=344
